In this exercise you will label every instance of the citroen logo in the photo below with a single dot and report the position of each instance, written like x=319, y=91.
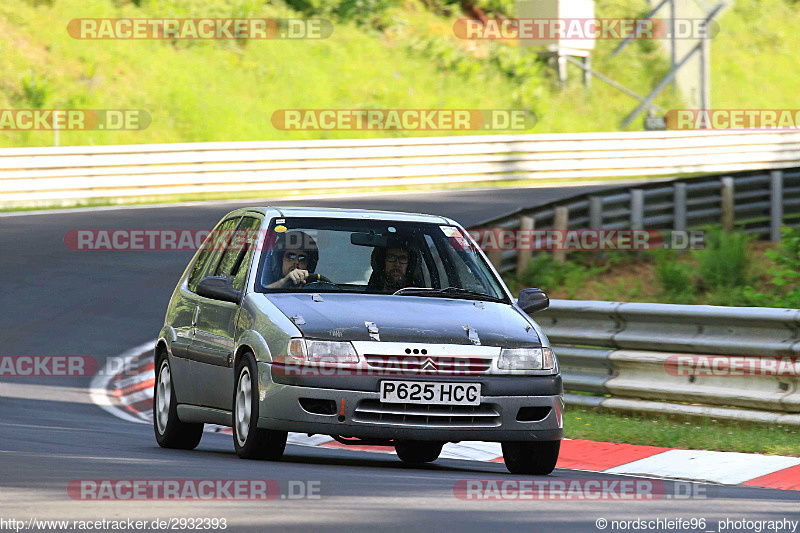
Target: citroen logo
x=429, y=365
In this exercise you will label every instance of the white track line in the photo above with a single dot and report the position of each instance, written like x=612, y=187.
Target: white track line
x=135, y=380
x=98, y=390
x=728, y=468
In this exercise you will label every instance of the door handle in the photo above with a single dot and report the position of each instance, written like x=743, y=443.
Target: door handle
x=194, y=319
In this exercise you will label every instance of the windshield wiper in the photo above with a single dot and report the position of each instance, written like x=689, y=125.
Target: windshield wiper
x=447, y=291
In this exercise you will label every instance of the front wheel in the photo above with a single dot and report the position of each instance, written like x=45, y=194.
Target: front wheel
x=418, y=452
x=250, y=441
x=171, y=432
x=533, y=458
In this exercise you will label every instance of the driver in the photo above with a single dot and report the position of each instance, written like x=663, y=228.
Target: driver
x=295, y=258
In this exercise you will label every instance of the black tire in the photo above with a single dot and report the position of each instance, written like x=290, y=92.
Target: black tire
x=531, y=458
x=170, y=432
x=418, y=451
x=257, y=443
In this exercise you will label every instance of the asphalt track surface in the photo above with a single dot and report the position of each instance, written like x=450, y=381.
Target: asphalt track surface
x=54, y=301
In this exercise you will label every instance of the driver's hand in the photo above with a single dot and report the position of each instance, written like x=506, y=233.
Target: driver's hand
x=296, y=277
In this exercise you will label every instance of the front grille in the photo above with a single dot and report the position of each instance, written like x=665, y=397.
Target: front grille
x=430, y=364
x=443, y=416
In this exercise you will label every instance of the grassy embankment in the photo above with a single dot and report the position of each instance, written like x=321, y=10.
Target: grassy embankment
x=382, y=54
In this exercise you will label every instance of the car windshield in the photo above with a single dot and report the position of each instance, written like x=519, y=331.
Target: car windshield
x=374, y=257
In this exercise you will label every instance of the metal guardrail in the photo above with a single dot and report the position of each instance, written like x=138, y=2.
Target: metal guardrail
x=53, y=176
x=758, y=202
x=623, y=356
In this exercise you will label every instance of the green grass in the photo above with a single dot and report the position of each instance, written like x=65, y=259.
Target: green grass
x=201, y=91
x=406, y=57
x=754, y=63
x=680, y=432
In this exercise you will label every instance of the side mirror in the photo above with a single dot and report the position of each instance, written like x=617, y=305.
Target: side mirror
x=533, y=300
x=218, y=288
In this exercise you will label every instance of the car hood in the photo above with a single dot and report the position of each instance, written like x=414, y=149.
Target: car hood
x=406, y=319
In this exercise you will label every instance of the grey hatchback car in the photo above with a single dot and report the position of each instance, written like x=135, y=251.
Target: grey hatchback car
x=371, y=327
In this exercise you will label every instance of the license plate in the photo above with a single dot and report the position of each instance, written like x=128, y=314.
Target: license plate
x=431, y=392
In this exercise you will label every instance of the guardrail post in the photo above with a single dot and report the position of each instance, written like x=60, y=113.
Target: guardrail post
x=726, y=204
x=560, y=224
x=637, y=208
x=679, y=207
x=587, y=72
x=523, y=256
x=596, y=221
x=595, y=212
x=562, y=70
x=776, y=205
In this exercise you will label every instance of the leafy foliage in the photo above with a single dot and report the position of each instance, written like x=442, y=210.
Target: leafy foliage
x=35, y=90
x=367, y=12
x=723, y=263
x=545, y=273
x=785, y=273
x=524, y=71
x=732, y=270
x=674, y=277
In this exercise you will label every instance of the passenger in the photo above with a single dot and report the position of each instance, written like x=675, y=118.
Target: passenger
x=392, y=269
x=295, y=258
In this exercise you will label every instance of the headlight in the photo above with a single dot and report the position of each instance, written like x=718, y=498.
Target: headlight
x=526, y=359
x=310, y=351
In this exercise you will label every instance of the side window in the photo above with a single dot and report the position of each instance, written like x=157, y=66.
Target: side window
x=199, y=266
x=210, y=252
x=235, y=262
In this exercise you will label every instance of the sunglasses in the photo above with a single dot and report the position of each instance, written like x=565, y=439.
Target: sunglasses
x=293, y=256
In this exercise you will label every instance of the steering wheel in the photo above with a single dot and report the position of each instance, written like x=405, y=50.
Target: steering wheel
x=319, y=281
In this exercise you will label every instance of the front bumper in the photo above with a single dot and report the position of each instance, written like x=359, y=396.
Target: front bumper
x=359, y=413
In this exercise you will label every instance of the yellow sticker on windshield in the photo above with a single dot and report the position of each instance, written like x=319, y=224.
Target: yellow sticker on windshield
x=280, y=229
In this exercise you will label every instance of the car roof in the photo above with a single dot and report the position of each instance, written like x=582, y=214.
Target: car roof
x=335, y=212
